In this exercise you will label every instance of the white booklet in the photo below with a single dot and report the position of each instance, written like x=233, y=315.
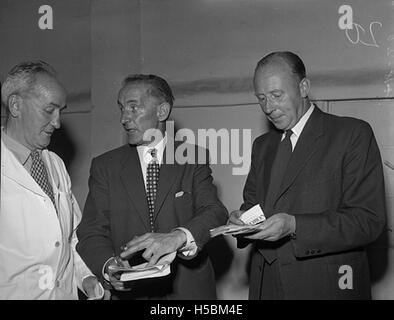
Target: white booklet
x=141, y=271
x=252, y=218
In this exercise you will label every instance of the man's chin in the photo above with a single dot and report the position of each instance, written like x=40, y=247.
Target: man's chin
x=44, y=143
x=134, y=141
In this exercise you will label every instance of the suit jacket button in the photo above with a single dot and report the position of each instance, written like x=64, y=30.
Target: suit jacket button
x=307, y=252
x=312, y=251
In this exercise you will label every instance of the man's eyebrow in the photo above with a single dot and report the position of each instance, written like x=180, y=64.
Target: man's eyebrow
x=131, y=100
x=55, y=105
x=127, y=101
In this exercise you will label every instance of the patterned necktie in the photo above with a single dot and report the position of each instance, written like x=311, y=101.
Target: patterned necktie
x=152, y=178
x=40, y=175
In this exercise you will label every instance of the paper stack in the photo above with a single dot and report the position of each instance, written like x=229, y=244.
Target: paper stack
x=141, y=271
x=252, y=218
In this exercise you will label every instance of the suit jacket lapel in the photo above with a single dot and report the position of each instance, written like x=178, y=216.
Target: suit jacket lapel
x=269, y=158
x=133, y=181
x=306, y=146
x=167, y=177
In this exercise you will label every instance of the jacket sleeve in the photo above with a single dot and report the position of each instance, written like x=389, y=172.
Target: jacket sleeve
x=360, y=216
x=94, y=241
x=250, y=191
x=209, y=212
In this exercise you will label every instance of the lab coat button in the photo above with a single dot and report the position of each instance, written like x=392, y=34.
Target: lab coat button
x=57, y=244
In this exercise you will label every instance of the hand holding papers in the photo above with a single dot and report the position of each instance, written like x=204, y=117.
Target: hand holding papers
x=142, y=271
x=252, y=218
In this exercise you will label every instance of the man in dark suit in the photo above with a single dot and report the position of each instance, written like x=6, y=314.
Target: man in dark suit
x=319, y=180
x=141, y=199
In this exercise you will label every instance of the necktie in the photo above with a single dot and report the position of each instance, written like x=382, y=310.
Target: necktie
x=152, y=178
x=40, y=175
x=278, y=170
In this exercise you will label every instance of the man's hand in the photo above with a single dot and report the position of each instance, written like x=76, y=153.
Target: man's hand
x=114, y=278
x=155, y=244
x=92, y=287
x=234, y=217
x=274, y=228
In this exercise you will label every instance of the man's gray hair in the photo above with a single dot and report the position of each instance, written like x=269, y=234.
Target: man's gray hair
x=21, y=78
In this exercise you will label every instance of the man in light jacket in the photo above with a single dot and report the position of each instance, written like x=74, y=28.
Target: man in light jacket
x=39, y=213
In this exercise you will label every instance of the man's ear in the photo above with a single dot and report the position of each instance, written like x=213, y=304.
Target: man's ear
x=304, y=87
x=163, y=111
x=14, y=105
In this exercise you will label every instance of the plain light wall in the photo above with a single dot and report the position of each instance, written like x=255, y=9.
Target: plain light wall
x=207, y=51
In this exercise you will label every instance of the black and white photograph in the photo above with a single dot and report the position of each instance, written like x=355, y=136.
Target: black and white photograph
x=223, y=151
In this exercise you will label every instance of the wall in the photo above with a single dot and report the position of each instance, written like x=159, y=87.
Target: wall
x=207, y=50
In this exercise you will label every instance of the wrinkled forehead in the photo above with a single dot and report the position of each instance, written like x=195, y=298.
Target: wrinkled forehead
x=274, y=75
x=48, y=87
x=134, y=90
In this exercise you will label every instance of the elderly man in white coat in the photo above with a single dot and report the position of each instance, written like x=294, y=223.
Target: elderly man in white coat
x=39, y=213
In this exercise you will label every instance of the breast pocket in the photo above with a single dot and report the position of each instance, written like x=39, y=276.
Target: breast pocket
x=183, y=205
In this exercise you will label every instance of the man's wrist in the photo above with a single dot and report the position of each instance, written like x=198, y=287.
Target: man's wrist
x=293, y=225
x=182, y=238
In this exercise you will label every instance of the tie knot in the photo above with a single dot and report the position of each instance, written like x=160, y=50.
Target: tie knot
x=35, y=155
x=288, y=134
x=153, y=153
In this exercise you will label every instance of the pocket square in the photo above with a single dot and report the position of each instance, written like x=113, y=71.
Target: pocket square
x=179, y=194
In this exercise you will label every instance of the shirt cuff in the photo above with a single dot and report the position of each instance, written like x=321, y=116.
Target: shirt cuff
x=98, y=290
x=190, y=248
x=105, y=276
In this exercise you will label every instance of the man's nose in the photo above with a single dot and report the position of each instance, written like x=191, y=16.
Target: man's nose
x=56, y=120
x=267, y=108
x=126, y=117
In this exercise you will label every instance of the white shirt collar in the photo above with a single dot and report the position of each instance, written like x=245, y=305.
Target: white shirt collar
x=297, y=129
x=144, y=153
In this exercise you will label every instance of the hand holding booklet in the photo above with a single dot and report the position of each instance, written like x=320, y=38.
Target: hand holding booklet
x=142, y=271
x=252, y=219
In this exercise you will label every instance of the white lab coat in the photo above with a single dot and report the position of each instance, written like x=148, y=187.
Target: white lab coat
x=38, y=259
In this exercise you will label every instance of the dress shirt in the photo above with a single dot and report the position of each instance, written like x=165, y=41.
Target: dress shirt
x=19, y=150
x=190, y=248
x=297, y=129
